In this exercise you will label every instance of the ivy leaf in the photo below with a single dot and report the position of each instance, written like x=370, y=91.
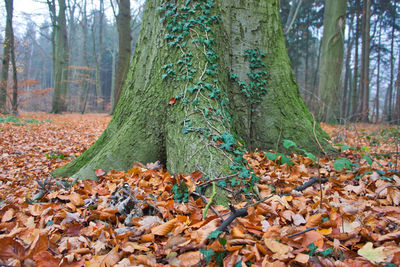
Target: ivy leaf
x=214, y=235
x=368, y=159
x=326, y=252
x=343, y=163
x=289, y=143
x=271, y=156
x=208, y=253
x=287, y=160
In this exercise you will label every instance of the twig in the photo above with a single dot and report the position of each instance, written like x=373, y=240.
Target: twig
x=234, y=214
x=303, y=232
x=209, y=202
x=311, y=182
x=205, y=199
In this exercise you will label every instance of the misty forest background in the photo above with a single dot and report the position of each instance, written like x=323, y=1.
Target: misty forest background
x=91, y=56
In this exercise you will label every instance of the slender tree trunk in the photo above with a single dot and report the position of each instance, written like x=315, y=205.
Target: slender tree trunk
x=329, y=88
x=6, y=57
x=378, y=76
x=389, y=92
x=347, y=87
x=98, y=52
x=364, y=85
x=114, y=55
x=355, y=94
x=86, y=72
x=179, y=106
x=14, y=102
x=124, y=48
x=397, y=105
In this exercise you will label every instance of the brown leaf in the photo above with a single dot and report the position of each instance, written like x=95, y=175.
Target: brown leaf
x=281, y=251
x=99, y=172
x=107, y=260
x=11, y=249
x=191, y=258
x=314, y=220
x=164, y=228
x=45, y=259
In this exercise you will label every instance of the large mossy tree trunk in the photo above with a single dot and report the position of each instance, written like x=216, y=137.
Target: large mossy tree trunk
x=191, y=93
x=330, y=85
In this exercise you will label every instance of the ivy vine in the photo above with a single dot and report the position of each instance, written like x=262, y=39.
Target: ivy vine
x=190, y=24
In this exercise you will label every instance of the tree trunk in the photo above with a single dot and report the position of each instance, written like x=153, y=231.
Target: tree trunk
x=124, y=48
x=85, y=72
x=347, y=83
x=378, y=76
x=6, y=57
x=61, y=61
x=98, y=52
x=364, y=84
x=355, y=92
x=14, y=102
x=397, y=86
x=182, y=104
x=329, y=88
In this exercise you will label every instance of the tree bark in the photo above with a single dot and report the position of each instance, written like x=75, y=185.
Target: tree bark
x=329, y=88
x=364, y=84
x=61, y=61
x=6, y=57
x=124, y=48
x=180, y=103
x=355, y=92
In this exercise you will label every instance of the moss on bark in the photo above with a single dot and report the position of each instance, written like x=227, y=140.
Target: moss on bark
x=145, y=128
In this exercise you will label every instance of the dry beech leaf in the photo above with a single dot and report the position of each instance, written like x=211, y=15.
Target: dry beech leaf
x=11, y=249
x=237, y=233
x=190, y=258
x=375, y=255
x=110, y=259
x=164, y=228
x=302, y=258
x=313, y=237
x=281, y=251
x=8, y=215
x=298, y=219
x=314, y=220
x=45, y=259
x=325, y=231
x=130, y=247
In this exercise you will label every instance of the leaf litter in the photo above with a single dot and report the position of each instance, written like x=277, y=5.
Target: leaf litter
x=342, y=210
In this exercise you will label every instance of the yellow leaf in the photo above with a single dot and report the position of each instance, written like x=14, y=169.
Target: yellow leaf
x=374, y=255
x=325, y=231
x=237, y=233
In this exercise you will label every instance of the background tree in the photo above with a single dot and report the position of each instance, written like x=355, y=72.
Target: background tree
x=7, y=47
x=124, y=47
x=188, y=67
x=330, y=86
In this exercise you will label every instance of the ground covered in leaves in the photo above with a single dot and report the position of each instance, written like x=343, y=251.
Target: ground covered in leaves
x=338, y=210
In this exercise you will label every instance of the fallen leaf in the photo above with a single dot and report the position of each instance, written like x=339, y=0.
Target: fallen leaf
x=164, y=228
x=45, y=259
x=191, y=258
x=107, y=260
x=281, y=251
x=11, y=249
x=375, y=255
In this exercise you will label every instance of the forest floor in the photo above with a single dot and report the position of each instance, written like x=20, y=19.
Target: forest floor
x=338, y=210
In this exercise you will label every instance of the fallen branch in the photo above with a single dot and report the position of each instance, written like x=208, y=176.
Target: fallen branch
x=308, y=184
x=234, y=214
x=303, y=232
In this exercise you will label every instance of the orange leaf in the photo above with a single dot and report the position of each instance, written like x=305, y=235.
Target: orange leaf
x=45, y=259
x=196, y=175
x=314, y=220
x=164, y=228
x=313, y=237
x=172, y=101
x=281, y=251
x=109, y=259
x=190, y=258
x=237, y=233
x=99, y=172
x=302, y=258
